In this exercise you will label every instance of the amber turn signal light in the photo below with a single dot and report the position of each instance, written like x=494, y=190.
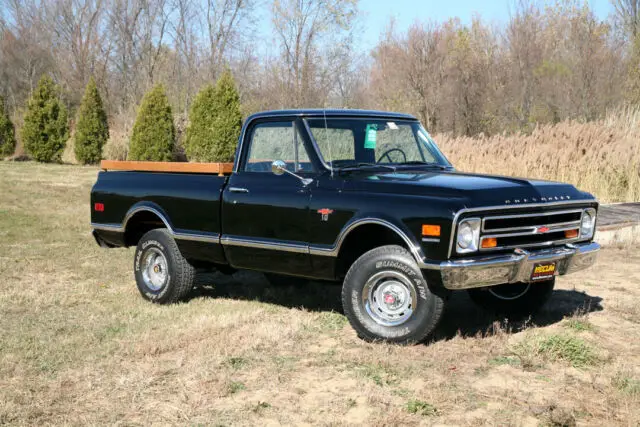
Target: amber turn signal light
x=571, y=234
x=489, y=242
x=430, y=230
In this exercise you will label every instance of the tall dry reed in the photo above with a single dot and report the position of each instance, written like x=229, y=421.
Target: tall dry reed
x=601, y=157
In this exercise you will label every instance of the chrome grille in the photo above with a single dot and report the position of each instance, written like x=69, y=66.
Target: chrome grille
x=530, y=230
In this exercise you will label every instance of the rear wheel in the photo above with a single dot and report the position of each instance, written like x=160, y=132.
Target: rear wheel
x=162, y=274
x=514, y=299
x=385, y=297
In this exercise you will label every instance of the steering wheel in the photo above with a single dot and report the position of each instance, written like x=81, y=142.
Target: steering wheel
x=386, y=154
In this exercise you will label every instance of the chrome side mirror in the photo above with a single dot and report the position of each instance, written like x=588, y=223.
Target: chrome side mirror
x=279, y=167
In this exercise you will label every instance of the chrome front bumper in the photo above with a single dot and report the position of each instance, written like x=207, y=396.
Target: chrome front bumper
x=516, y=267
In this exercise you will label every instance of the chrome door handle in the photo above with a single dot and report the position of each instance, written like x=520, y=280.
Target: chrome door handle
x=238, y=190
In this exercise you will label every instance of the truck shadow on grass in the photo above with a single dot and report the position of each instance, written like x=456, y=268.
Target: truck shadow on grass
x=461, y=317
x=464, y=318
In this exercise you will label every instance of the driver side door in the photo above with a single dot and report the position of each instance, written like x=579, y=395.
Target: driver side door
x=265, y=216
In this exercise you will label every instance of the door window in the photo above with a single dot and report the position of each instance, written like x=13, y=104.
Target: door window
x=277, y=141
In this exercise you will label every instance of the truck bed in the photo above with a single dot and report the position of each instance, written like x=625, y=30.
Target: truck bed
x=188, y=202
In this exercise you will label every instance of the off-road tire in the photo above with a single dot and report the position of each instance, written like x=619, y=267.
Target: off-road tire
x=396, y=259
x=180, y=274
x=529, y=302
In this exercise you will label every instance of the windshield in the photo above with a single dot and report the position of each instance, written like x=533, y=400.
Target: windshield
x=357, y=142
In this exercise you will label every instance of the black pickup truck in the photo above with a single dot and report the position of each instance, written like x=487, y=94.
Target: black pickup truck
x=361, y=197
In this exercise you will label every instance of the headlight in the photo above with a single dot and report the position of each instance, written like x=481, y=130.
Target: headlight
x=587, y=226
x=468, y=235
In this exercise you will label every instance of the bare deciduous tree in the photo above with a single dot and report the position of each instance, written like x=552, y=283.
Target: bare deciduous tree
x=309, y=31
x=628, y=15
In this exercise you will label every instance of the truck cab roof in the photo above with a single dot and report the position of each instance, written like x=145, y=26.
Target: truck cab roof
x=319, y=112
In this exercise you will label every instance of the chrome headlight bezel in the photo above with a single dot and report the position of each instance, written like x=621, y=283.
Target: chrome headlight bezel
x=588, y=218
x=468, y=235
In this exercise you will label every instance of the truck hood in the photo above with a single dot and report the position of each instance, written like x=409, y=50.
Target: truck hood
x=474, y=190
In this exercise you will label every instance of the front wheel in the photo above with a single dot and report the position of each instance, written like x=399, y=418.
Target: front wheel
x=385, y=297
x=162, y=274
x=514, y=299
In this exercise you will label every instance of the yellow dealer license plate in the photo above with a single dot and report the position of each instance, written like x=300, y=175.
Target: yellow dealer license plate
x=543, y=271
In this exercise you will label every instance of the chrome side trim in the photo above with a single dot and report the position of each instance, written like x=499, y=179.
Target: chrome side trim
x=197, y=237
x=430, y=240
x=333, y=251
x=454, y=224
x=264, y=244
x=107, y=227
x=209, y=238
x=135, y=210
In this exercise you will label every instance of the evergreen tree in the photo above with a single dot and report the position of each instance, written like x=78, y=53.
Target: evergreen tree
x=45, y=131
x=199, y=135
x=7, y=133
x=154, y=134
x=92, y=129
x=215, y=122
x=228, y=119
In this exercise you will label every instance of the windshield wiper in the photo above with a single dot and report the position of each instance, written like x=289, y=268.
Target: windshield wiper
x=421, y=163
x=358, y=166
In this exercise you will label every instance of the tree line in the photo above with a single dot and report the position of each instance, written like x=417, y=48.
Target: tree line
x=215, y=120
x=545, y=64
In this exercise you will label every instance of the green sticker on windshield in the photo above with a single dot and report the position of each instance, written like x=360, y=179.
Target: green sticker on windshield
x=371, y=134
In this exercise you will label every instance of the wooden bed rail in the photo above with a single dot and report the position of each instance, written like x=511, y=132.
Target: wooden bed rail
x=179, y=167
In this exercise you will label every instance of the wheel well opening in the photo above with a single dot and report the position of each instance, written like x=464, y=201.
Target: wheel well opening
x=139, y=224
x=363, y=239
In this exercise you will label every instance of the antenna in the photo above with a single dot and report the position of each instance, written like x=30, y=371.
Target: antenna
x=326, y=136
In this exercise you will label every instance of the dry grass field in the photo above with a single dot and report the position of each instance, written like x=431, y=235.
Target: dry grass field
x=602, y=157
x=79, y=346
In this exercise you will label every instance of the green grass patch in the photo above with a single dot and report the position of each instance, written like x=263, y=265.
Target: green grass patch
x=332, y=321
x=556, y=347
x=235, y=387
x=568, y=348
x=627, y=384
x=378, y=373
x=579, y=324
x=420, y=407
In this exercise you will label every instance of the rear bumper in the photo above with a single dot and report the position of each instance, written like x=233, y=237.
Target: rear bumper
x=100, y=241
x=516, y=267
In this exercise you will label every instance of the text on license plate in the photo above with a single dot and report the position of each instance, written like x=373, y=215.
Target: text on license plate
x=542, y=271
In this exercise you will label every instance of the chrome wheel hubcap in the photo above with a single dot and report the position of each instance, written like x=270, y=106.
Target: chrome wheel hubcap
x=389, y=298
x=154, y=269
